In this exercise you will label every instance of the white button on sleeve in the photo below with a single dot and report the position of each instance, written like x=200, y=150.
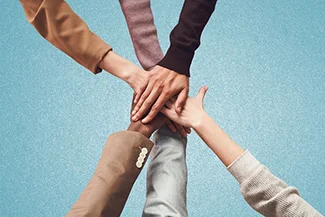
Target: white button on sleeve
x=138, y=164
x=140, y=159
x=144, y=150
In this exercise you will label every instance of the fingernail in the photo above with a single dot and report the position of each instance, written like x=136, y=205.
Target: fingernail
x=133, y=112
x=144, y=121
x=135, y=101
x=134, y=118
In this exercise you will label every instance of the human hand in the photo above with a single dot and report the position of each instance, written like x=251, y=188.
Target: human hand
x=174, y=127
x=136, y=77
x=147, y=129
x=163, y=84
x=192, y=113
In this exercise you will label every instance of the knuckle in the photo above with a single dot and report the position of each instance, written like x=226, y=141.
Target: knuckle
x=154, y=109
x=148, y=101
x=142, y=88
x=160, y=87
x=167, y=92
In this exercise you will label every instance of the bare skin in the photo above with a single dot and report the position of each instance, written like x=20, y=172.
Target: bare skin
x=163, y=85
x=194, y=116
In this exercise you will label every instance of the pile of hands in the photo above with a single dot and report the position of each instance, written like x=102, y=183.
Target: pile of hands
x=161, y=97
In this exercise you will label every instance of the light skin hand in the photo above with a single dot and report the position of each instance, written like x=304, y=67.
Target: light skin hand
x=194, y=116
x=192, y=113
x=163, y=85
x=127, y=71
x=174, y=127
x=136, y=78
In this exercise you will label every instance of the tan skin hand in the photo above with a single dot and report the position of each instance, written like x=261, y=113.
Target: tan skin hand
x=163, y=85
x=192, y=112
x=136, y=78
x=171, y=125
x=127, y=71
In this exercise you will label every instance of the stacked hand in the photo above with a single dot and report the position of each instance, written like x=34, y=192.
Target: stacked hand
x=192, y=113
x=147, y=129
x=152, y=89
x=163, y=85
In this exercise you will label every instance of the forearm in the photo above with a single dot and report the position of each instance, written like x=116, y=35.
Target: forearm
x=217, y=140
x=143, y=32
x=185, y=37
x=116, y=172
x=266, y=193
x=263, y=191
x=63, y=28
x=167, y=176
x=118, y=66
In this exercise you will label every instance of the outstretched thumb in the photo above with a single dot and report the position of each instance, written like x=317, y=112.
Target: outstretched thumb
x=203, y=90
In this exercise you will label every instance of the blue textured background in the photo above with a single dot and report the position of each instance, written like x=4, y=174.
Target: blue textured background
x=264, y=62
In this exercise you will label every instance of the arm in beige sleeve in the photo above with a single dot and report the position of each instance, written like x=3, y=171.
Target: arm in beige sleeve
x=58, y=24
x=266, y=193
x=263, y=191
x=116, y=172
x=143, y=32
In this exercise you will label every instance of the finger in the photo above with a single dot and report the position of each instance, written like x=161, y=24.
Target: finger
x=169, y=113
x=146, y=105
x=156, y=108
x=181, y=99
x=132, y=103
x=181, y=130
x=137, y=97
x=139, y=93
x=203, y=90
x=171, y=126
x=143, y=97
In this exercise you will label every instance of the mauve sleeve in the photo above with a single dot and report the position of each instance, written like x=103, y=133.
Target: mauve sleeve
x=143, y=31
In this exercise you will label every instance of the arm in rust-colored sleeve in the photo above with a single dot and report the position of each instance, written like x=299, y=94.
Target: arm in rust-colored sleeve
x=62, y=27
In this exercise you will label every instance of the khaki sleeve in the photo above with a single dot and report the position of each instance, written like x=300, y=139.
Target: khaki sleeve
x=57, y=23
x=116, y=172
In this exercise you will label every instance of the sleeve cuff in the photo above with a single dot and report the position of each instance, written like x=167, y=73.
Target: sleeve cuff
x=243, y=166
x=178, y=60
x=98, y=50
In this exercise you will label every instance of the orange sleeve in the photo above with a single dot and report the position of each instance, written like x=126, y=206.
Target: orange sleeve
x=62, y=27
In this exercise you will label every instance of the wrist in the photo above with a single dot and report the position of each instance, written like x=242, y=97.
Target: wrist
x=200, y=122
x=117, y=66
x=140, y=129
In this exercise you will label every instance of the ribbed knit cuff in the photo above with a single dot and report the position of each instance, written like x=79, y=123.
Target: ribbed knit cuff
x=243, y=166
x=177, y=59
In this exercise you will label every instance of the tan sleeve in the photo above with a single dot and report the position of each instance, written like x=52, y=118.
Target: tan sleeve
x=57, y=23
x=116, y=172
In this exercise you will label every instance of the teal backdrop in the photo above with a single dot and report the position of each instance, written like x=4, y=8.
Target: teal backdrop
x=264, y=63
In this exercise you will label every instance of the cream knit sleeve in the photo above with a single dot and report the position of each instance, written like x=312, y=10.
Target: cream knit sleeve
x=266, y=193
